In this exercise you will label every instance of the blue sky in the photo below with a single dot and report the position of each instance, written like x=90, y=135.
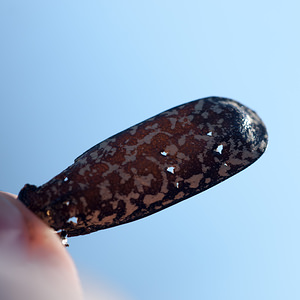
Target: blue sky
x=73, y=73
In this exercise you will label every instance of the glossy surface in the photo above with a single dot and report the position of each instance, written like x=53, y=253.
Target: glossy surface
x=150, y=166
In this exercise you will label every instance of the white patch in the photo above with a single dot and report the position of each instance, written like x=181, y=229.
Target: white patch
x=171, y=170
x=73, y=220
x=219, y=149
x=209, y=133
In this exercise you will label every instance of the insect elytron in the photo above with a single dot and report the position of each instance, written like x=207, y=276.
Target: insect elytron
x=150, y=166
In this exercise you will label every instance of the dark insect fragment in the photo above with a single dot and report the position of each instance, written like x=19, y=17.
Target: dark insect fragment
x=150, y=166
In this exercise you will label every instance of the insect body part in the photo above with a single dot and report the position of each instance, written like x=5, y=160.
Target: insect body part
x=150, y=166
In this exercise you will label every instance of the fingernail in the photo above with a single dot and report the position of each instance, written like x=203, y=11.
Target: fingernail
x=11, y=226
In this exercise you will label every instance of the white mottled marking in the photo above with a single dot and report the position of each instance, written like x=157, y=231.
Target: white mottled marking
x=73, y=220
x=200, y=157
x=171, y=112
x=236, y=161
x=179, y=195
x=172, y=149
x=154, y=126
x=171, y=170
x=83, y=186
x=223, y=171
x=133, y=130
x=182, y=156
x=149, y=199
x=108, y=219
x=217, y=109
x=199, y=105
x=86, y=168
x=144, y=180
x=92, y=217
x=207, y=180
x=205, y=115
x=219, y=149
x=83, y=201
x=173, y=122
x=194, y=181
x=94, y=155
x=181, y=141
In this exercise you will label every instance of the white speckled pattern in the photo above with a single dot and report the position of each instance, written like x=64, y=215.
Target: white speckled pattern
x=150, y=166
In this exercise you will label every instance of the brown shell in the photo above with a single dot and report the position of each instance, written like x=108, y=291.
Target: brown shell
x=150, y=166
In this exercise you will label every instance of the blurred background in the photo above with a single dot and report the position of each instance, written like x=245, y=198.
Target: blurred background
x=73, y=73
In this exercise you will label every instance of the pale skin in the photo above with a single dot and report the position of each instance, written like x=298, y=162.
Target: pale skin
x=34, y=263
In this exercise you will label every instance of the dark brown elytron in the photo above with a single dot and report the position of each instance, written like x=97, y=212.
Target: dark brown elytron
x=150, y=166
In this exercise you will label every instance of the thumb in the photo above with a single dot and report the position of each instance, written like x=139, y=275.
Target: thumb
x=32, y=258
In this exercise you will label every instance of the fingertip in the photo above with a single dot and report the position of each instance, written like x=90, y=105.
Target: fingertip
x=13, y=237
x=28, y=247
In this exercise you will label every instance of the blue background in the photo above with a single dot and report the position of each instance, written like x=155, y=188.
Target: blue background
x=73, y=73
